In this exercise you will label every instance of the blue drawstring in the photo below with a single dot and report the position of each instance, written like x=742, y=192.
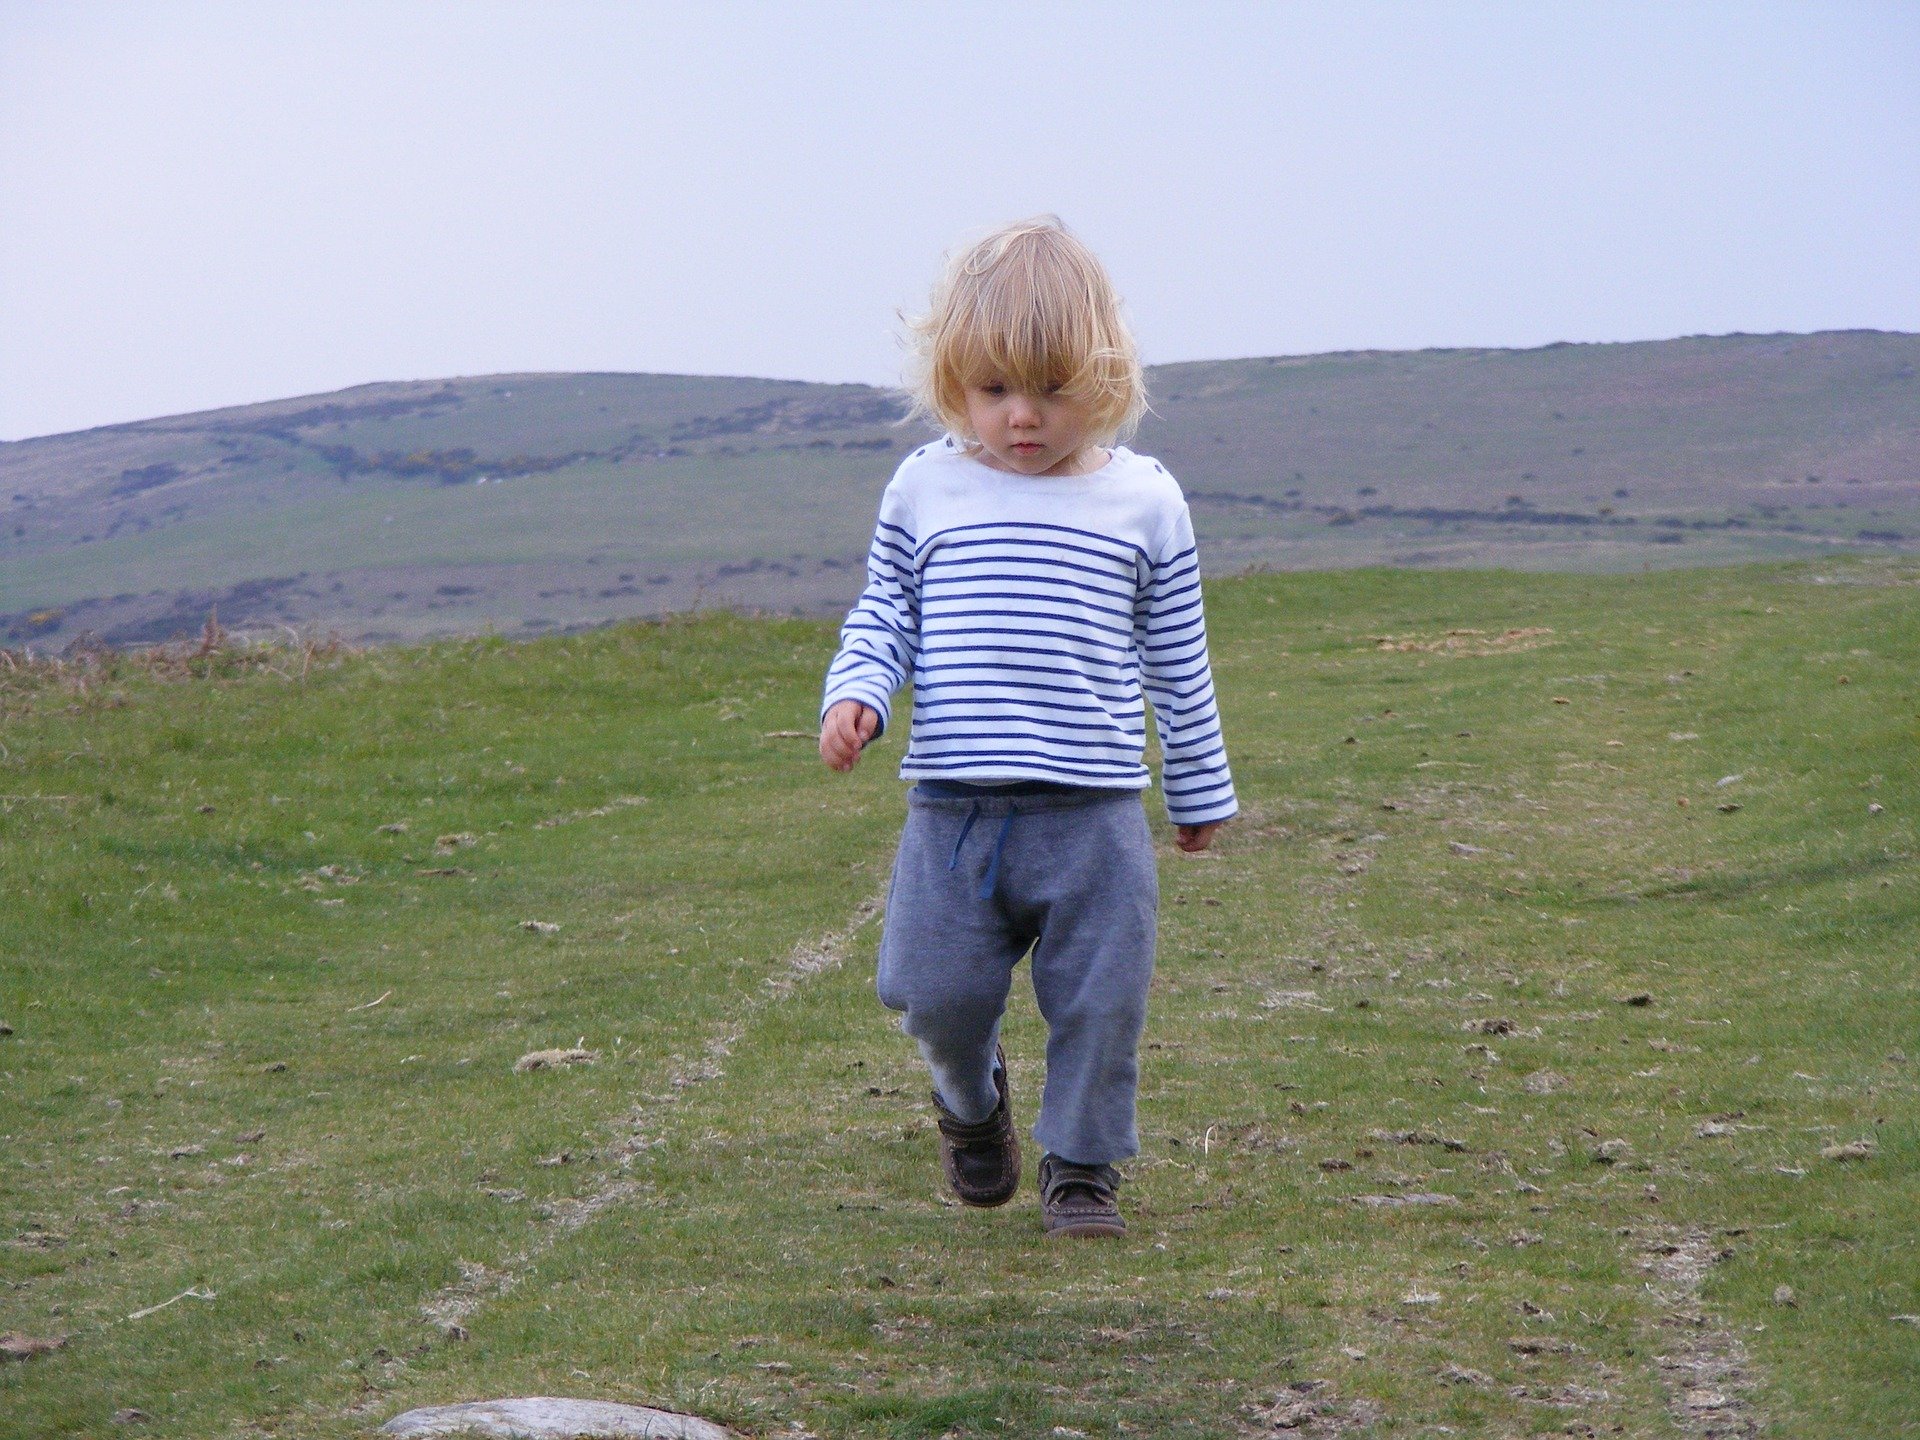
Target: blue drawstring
x=993, y=861
x=965, y=830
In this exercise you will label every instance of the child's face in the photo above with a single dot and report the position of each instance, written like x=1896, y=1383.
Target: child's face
x=1030, y=434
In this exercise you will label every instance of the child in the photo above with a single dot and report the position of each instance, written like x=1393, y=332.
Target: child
x=1031, y=577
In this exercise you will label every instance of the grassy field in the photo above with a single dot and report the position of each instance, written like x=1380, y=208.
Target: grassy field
x=1494, y=1053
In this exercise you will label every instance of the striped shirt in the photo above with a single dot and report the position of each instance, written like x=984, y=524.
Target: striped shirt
x=1032, y=614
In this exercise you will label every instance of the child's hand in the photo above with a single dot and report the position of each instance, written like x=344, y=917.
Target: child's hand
x=848, y=726
x=1195, y=838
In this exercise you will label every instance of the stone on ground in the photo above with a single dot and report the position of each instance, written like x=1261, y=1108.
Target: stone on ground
x=543, y=1417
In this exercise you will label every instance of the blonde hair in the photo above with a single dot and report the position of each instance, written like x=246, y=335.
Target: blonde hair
x=1032, y=306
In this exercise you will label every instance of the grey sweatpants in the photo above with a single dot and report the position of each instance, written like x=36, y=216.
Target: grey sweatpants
x=979, y=882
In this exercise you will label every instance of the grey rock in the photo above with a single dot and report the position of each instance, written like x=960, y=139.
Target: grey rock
x=542, y=1417
x=1544, y=1082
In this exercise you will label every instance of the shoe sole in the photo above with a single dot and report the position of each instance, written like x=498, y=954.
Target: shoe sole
x=986, y=1204
x=1087, y=1230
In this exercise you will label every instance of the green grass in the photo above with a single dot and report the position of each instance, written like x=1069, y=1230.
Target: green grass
x=1431, y=840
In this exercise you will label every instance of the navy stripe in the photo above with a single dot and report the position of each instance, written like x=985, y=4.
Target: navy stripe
x=880, y=626
x=973, y=755
x=1075, y=614
x=1106, y=724
x=1055, y=581
x=1163, y=614
x=912, y=768
x=952, y=728
x=988, y=662
x=1129, y=695
x=1055, y=564
x=1187, y=794
x=985, y=705
x=950, y=632
x=1187, y=644
x=1030, y=623
x=1130, y=552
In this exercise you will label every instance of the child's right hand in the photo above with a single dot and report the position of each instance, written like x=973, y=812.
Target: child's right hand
x=844, y=731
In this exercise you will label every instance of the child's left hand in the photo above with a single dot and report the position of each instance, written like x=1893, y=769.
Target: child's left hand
x=1195, y=838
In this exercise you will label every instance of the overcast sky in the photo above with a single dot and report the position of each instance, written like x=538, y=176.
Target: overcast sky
x=205, y=204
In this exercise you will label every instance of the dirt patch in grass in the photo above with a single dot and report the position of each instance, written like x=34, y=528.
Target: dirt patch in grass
x=1705, y=1371
x=1466, y=642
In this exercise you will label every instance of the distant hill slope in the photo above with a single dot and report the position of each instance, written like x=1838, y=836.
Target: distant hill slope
x=534, y=502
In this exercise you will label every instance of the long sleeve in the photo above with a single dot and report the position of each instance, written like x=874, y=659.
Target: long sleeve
x=1170, y=634
x=881, y=635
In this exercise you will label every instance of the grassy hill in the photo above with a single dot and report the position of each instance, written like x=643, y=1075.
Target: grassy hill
x=530, y=503
x=1503, y=1064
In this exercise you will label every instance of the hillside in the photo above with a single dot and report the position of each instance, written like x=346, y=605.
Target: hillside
x=523, y=503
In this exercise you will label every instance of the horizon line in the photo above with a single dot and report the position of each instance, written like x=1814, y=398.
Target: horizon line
x=1370, y=351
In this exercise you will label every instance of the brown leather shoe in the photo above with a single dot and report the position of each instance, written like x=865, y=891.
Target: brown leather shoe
x=1080, y=1200
x=981, y=1160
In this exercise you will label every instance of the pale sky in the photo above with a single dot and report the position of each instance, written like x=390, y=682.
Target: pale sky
x=206, y=203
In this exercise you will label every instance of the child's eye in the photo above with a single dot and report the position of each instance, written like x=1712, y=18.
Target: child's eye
x=994, y=388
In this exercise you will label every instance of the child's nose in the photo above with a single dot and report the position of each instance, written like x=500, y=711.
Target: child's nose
x=1023, y=411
